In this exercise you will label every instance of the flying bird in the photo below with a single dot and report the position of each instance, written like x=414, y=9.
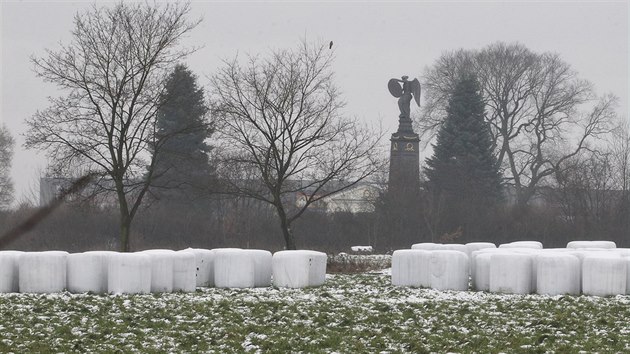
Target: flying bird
x=330, y=45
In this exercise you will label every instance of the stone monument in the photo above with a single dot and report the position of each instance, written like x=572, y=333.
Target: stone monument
x=404, y=162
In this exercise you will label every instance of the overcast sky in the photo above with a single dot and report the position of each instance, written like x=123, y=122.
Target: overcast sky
x=373, y=42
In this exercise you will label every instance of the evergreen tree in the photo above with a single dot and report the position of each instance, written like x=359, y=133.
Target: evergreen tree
x=463, y=173
x=182, y=166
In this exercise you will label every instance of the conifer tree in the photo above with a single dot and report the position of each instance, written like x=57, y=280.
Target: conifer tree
x=182, y=165
x=463, y=173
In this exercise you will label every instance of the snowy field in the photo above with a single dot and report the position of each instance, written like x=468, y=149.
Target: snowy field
x=349, y=314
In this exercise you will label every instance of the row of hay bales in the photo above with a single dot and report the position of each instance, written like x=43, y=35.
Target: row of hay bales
x=584, y=267
x=158, y=271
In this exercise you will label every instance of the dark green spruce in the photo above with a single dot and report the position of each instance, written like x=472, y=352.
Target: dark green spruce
x=462, y=175
x=183, y=169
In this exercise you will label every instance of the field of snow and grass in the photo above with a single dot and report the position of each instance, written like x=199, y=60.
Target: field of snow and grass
x=351, y=313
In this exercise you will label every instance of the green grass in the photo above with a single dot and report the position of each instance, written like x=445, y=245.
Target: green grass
x=357, y=313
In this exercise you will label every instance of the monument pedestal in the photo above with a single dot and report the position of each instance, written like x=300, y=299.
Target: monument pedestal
x=403, y=196
x=404, y=166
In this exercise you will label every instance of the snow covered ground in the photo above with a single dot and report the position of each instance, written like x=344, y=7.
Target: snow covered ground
x=349, y=314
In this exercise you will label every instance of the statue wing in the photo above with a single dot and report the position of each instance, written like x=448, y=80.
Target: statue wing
x=415, y=89
x=394, y=88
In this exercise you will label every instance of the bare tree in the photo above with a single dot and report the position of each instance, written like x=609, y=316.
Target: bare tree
x=620, y=150
x=6, y=155
x=535, y=103
x=284, y=132
x=112, y=74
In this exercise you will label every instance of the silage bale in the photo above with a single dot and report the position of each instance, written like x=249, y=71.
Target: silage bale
x=557, y=274
x=42, y=272
x=299, y=268
x=604, y=275
x=476, y=246
x=262, y=267
x=592, y=244
x=87, y=272
x=411, y=268
x=428, y=246
x=129, y=273
x=511, y=273
x=522, y=244
x=454, y=247
x=448, y=270
x=161, y=270
x=184, y=271
x=627, y=260
x=233, y=268
x=9, y=271
x=480, y=273
x=624, y=252
x=204, y=266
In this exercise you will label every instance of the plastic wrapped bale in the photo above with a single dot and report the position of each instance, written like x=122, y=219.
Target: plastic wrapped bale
x=234, y=268
x=129, y=273
x=522, y=244
x=429, y=246
x=411, y=268
x=454, y=247
x=476, y=246
x=204, y=266
x=480, y=273
x=624, y=252
x=9, y=271
x=184, y=271
x=42, y=272
x=87, y=272
x=592, y=244
x=262, y=267
x=448, y=270
x=604, y=275
x=161, y=270
x=557, y=274
x=298, y=269
x=511, y=273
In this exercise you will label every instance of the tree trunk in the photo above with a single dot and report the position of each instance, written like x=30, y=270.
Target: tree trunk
x=125, y=217
x=125, y=226
x=289, y=241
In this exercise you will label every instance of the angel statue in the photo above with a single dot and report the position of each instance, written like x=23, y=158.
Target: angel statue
x=404, y=95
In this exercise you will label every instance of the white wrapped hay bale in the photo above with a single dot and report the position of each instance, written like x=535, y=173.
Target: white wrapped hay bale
x=234, y=268
x=428, y=246
x=262, y=267
x=522, y=244
x=87, y=272
x=624, y=252
x=604, y=275
x=511, y=273
x=454, y=247
x=592, y=244
x=476, y=246
x=184, y=271
x=480, y=272
x=161, y=270
x=9, y=271
x=448, y=270
x=42, y=272
x=129, y=273
x=204, y=266
x=299, y=269
x=557, y=274
x=411, y=268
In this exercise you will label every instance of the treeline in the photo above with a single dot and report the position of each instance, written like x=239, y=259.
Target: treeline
x=77, y=227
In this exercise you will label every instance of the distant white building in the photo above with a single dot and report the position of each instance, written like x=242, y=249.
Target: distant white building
x=359, y=198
